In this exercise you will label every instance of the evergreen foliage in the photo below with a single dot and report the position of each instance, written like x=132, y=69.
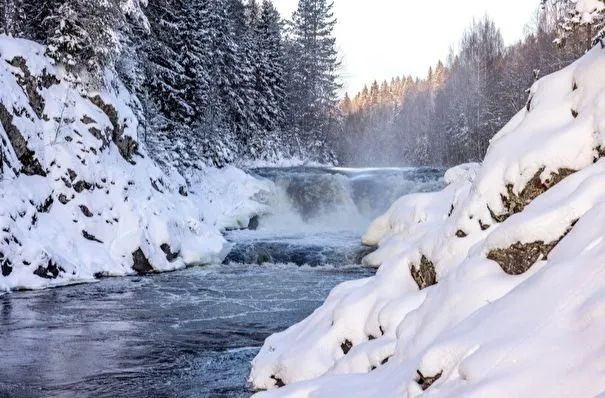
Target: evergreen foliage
x=216, y=80
x=315, y=79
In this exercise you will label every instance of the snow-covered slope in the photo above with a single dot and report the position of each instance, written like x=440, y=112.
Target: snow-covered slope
x=79, y=197
x=494, y=287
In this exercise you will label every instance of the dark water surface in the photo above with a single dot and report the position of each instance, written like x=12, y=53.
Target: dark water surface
x=191, y=333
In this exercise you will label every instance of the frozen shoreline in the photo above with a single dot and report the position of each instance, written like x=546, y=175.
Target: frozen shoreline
x=491, y=287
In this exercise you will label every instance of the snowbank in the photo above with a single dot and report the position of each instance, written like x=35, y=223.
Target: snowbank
x=493, y=287
x=230, y=198
x=79, y=197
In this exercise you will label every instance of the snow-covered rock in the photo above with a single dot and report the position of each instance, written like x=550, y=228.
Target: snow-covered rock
x=80, y=197
x=493, y=287
x=230, y=198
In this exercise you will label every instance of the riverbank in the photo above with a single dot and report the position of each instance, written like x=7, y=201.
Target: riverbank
x=492, y=287
x=80, y=197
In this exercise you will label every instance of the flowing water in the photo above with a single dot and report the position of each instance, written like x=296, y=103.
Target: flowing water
x=319, y=214
x=193, y=333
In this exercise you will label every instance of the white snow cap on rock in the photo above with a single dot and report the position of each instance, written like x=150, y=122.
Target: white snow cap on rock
x=493, y=287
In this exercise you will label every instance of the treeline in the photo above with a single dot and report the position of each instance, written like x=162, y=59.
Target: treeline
x=449, y=116
x=215, y=80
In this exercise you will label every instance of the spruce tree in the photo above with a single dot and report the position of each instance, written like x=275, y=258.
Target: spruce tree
x=315, y=79
x=83, y=35
x=13, y=18
x=270, y=67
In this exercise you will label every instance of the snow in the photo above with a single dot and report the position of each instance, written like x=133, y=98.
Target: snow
x=280, y=161
x=95, y=199
x=588, y=10
x=229, y=197
x=477, y=332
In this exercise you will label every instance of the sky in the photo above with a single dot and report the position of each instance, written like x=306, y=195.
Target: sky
x=380, y=39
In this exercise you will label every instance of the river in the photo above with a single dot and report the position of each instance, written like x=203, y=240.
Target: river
x=194, y=332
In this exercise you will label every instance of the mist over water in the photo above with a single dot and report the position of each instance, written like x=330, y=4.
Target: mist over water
x=317, y=215
x=339, y=198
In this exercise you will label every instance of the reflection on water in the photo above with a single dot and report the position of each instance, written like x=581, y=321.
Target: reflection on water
x=185, y=334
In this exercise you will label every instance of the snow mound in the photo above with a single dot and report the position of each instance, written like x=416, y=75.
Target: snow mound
x=230, y=198
x=79, y=196
x=493, y=287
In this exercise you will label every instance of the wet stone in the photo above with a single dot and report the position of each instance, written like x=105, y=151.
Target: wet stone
x=141, y=264
x=50, y=271
x=170, y=256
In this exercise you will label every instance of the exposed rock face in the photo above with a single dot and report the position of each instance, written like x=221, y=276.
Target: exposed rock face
x=90, y=237
x=279, y=383
x=127, y=146
x=253, y=223
x=50, y=271
x=425, y=274
x=346, y=346
x=68, y=178
x=520, y=257
x=141, y=264
x=5, y=265
x=516, y=202
x=426, y=381
x=170, y=256
x=86, y=211
x=27, y=157
x=32, y=84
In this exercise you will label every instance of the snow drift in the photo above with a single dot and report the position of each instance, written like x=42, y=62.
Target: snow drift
x=493, y=287
x=79, y=196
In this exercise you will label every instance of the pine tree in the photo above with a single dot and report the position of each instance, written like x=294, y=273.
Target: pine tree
x=82, y=35
x=13, y=18
x=374, y=94
x=346, y=105
x=4, y=17
x=163, y=66
x=134, y=9
x=316, y=79
x=270, y=67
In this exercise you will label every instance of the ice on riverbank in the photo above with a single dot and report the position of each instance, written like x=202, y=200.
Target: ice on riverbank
x=491, y=287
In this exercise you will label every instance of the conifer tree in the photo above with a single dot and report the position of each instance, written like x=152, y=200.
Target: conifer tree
x=13, y=18
x=270, y=67
x=82, y=35
x=316, y=78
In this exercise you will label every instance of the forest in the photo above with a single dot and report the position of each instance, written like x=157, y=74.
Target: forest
x=449, y=116
x=228, y=81
x=216, y=80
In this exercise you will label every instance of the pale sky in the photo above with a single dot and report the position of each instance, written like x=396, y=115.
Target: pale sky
x=380, y=39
